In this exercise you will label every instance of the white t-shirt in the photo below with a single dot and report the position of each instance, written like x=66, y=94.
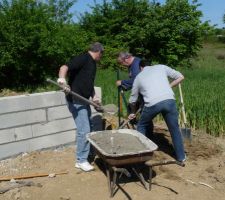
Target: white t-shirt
x=153, y=84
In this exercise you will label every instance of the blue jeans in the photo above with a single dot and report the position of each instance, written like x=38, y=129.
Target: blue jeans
x=82, y=118
x=169, y=112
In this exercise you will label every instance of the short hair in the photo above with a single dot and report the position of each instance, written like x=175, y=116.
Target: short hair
x=123, y=55
x=144, y=63
x=96, y=47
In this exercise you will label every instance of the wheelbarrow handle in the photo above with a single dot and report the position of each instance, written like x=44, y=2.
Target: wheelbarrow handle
x=74, y=94
x=151, y=163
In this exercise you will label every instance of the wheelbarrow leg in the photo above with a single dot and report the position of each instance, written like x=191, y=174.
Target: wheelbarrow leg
x=141, y=177
x=108, y=173
x=150, y=179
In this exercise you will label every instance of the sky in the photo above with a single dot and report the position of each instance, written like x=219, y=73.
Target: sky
x=212, y=10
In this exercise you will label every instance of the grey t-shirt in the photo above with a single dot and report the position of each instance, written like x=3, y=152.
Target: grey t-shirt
x=154, y=85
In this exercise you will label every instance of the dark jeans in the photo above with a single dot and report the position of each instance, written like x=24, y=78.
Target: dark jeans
x=169, y=112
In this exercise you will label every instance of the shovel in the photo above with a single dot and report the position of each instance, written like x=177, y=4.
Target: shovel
x=99, y=108
x=186, y=132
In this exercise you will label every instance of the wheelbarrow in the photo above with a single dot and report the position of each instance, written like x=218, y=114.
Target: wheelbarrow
x=125, y=147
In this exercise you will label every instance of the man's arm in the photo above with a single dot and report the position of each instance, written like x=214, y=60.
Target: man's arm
x=176, y=81
x=134, y=71
x=175, y=75
x=62, y=74
x=134, y=95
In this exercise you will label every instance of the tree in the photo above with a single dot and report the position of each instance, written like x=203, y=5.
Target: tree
x=35, y=38
x=169, y=33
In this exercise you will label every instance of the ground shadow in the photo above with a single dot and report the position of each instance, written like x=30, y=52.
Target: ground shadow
x=163, y=142
x=97, y=122
x=123, y=179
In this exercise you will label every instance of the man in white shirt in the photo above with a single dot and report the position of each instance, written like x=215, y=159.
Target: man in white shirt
x=153, y=84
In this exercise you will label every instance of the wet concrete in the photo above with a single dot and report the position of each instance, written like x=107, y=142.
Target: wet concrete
x=118, y=143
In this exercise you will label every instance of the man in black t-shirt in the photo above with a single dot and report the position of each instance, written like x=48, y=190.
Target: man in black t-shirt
x=81, y=72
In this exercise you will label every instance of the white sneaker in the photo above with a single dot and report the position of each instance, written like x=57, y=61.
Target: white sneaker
x=85, y=166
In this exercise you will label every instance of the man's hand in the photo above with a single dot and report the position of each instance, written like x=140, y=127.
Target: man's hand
x=131, y=116
x=96, y=99
x=118, y=83
x=63, y=83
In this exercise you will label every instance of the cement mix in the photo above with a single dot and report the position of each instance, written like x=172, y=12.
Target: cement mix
x=118, y=143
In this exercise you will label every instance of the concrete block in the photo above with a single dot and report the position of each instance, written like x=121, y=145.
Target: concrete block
x=98, y=92
x=58, y=112
x=52, y=140
x=45, y=99
x=22, y=133
x=63, y=98
x=15, y=134
x=14, y=148
x=22, y=118
x=53, y=127
x=14, y=104
x=7, y=135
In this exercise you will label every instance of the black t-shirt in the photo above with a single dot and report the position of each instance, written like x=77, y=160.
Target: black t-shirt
x=81, y=71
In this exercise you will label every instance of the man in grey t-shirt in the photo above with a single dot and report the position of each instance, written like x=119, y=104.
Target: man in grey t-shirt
x=153, y=84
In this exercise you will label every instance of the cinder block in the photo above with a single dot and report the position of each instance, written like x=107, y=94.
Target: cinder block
x=14, y=104
x=53, y=127
x=63, y=98
x=98, y=92
x=15, y=134
x=22, y=133
x=14, y=148
x=45, y=99
x=22, y=118
x=52, y=140
x=58, y=112
x=7, y=135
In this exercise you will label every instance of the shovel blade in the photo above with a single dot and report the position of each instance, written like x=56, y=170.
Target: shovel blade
x=186, y=133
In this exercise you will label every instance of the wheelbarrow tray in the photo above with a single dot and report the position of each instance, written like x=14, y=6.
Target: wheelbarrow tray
x=141, y=151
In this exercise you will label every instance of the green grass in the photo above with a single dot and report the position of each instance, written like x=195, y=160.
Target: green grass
x=203, y=90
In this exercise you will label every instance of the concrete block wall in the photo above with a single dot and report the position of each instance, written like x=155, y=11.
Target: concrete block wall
x=36, y=121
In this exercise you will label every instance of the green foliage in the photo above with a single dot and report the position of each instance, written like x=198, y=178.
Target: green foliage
x=35, y=38
x=169, y=34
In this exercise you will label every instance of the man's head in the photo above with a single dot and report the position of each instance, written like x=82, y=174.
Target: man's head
x=125, y=58
x=143, y=63
x=96, y=49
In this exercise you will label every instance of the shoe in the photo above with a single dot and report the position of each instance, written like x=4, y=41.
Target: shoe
x=182, y=162
x=85, y=166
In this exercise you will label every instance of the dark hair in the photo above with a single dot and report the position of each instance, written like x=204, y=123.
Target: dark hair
x=95, y=47
x=144, y=63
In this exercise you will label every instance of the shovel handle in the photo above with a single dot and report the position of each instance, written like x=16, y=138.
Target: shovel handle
x=182, y=104
x=74, y=94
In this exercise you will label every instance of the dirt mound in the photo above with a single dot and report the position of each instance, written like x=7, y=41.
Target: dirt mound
x=202, y=146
